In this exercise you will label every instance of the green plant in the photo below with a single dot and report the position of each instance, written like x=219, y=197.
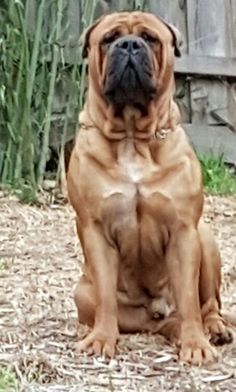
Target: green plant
x=217, y=177
x=15, y=84
x=8, y=382
x=32, y=66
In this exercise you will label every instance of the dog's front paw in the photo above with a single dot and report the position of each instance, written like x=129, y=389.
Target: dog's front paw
x=99, y=342
x=197, y=350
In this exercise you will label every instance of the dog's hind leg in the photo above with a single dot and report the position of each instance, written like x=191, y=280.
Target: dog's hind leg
x=209, y=289
x=130, y=318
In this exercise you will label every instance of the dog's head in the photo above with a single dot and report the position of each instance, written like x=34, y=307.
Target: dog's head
x=131, y=58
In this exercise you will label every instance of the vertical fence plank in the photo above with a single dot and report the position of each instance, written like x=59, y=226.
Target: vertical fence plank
x=207, y=27
x=207, y=34
x=231, y=25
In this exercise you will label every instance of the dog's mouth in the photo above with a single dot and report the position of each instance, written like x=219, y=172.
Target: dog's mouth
x=129, y=76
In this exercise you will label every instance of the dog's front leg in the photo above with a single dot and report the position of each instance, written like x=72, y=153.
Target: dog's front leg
x=183, y=258
x=102, y=260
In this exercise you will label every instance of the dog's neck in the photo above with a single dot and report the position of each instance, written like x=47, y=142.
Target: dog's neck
x=163, y=115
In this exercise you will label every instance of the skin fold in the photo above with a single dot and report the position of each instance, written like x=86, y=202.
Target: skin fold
x=151, y=263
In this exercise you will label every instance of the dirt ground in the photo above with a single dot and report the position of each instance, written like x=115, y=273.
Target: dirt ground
x=40, y=261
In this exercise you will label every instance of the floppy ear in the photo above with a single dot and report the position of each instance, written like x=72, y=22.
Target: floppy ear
x=178, y=40
x=177, y=37
x=84, y=39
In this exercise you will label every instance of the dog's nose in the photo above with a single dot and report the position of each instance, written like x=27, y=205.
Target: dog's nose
x=131, y=45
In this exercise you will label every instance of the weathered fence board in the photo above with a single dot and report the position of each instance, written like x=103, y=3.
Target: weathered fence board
x=210, y=49
x=218, y=141
x=207, y=27
x=206, y=65
x=230, y=26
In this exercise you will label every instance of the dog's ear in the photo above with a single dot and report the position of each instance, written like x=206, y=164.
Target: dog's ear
x=84, y=39
x=177, y=37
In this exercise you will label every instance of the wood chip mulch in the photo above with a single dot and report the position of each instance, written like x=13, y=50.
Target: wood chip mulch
x=40, y=261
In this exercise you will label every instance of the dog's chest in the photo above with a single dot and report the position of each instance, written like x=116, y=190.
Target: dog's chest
x=134, y=218
x=134, y=206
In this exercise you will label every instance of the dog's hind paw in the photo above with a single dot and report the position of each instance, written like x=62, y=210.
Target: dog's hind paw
x=216, y=329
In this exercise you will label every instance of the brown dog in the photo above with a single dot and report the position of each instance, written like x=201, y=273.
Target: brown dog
x=135, y=184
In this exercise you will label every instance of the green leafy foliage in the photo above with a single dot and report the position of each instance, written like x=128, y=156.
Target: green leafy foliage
x=8, y=382
x=217, y=177
x=32, y=67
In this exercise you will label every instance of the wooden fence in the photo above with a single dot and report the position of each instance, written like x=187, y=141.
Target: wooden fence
x=206, y=72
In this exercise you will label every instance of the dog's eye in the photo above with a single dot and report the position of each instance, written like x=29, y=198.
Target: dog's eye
x=149, y=38
x=109, y=39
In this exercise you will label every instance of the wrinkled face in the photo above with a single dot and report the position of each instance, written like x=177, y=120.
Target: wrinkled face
x=130, y=55
x=129, y=72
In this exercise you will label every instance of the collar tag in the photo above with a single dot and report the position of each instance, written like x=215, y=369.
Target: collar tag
x=162, y=133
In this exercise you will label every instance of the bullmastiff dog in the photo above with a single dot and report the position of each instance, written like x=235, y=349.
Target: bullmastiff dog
x=151, y=263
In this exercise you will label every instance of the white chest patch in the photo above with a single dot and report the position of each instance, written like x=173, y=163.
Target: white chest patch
x=131, y=165
x=134, y=171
